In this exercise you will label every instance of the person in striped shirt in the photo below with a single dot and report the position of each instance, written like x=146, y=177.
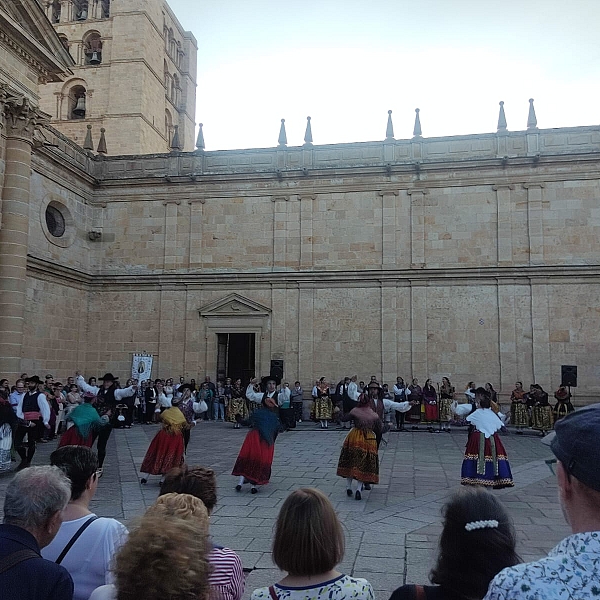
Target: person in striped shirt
x=226, y=580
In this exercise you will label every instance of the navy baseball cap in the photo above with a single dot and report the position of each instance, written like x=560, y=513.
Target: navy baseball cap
x=577, y=444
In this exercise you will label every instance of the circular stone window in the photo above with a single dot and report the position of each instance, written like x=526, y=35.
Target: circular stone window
x=55, y=221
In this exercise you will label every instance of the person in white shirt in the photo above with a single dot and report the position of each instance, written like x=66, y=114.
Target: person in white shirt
x=89, y=558
x=33, y=412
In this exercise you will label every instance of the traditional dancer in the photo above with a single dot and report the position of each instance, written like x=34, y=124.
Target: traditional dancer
x=446, y=398
x=359, y=457
x=323, y=406
x=430, y=401
x=253, y=464
x=518, y=408
x=563, y=405
x=83, y=424
x=485, y=461
x=380, y=405
x=33, y=412
x=416, y=400
x=8, y=423
x=167, y=447
x=186, y=403
x=266, y=398
x=401, y=393
x=237, y=404
x=106, y=401
x=541, y=411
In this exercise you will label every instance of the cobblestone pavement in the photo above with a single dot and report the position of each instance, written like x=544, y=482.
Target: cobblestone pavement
x=391, y=534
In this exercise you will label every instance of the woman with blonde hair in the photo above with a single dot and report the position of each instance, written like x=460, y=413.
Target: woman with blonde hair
x=308, y=545
x=226, y=579
x=165, y=555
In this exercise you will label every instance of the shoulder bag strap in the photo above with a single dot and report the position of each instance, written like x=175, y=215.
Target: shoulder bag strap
x=12, y=560
x=74, y=539
x=273, y=593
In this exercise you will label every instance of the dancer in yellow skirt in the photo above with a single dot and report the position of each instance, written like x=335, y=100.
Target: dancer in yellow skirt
x=359, y=459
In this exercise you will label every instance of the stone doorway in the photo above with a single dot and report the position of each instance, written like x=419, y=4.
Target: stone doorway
x=236, y=356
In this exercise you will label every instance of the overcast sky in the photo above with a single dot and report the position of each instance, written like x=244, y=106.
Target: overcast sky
x=346, y=62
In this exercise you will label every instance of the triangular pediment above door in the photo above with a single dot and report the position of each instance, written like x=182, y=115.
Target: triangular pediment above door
x=234, y=305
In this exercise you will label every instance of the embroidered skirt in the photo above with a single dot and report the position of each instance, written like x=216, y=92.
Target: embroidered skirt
x=542, y=418
x=445, y=409
x=485, y=462
x=5, y=446
x=562, y=409
x=237, y=406
x=255, y=459
x=164, y=453
x=358, y=458
x=519, y=416
x=323, y=408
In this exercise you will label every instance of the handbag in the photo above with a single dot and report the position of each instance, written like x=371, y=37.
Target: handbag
x=32, y=415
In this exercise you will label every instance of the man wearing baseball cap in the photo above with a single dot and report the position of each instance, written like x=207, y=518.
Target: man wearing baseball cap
x=571, y=569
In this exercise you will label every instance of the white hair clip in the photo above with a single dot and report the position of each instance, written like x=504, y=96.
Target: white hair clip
x=490, y=524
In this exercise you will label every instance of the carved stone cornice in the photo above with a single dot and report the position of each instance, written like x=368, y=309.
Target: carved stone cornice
x=20, y=116
x=26, y=56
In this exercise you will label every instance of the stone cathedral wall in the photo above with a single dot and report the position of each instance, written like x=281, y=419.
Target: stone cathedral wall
x=475, y=257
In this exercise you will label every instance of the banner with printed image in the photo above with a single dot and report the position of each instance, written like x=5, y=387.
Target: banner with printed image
x=141, y=368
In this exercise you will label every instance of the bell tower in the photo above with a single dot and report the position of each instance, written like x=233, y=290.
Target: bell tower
x=134, y=75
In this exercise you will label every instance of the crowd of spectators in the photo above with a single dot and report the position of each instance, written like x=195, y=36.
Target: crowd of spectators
x=53, y=547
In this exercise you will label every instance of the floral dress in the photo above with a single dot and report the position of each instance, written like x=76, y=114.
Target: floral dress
x=340, y=588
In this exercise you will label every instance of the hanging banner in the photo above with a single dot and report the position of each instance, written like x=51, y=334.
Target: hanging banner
x=141, y=367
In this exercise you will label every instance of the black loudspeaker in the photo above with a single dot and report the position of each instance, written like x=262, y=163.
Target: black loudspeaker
x=277, y=369
x=568, y=374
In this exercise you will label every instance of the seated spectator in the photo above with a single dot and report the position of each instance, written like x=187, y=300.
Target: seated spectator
x=33, y=506
x=308, y=544
x=477, y=542
x=89, y=558
x=572, y=569
x=165, y=556
x=226, y=579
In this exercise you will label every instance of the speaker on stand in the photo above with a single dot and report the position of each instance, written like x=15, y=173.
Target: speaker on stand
x=568, y=375
x=277, y=369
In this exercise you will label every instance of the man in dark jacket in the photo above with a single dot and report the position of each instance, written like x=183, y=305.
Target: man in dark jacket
x=33, y=506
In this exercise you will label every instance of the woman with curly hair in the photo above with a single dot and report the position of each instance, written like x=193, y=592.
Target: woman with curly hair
x=165, y=555
x=478, y=541
x=226, y=579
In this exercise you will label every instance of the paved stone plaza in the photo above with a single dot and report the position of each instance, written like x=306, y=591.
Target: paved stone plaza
x=391, y=534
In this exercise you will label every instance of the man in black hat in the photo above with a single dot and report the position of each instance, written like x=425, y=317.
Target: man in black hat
x=268, y=397
x=572, y=569
x=107, y=398
x=33, y=412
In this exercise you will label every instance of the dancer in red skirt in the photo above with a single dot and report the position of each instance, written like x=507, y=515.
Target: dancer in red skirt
x=254, y=461
x=86, y=422
x=485, y=461
x=166, y=449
